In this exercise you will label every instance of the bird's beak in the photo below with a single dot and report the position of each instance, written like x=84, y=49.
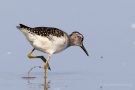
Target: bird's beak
x=82, y=46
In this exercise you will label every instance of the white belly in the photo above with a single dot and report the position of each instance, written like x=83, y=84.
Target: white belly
x=49, y=45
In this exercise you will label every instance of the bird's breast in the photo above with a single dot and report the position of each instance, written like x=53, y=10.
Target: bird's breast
x=60, y=43
x=50, y=44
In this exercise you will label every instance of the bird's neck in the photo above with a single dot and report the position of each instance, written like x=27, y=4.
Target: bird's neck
x=70, y=42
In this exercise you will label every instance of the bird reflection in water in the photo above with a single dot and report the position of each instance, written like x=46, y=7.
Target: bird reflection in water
x=29, y=79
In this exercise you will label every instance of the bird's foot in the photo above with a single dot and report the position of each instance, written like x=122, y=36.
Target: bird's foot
x=30, y=55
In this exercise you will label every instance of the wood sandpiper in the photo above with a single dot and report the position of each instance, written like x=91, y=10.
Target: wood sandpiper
x=50, y=40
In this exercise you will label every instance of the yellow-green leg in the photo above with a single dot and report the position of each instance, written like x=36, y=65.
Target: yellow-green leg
x=41, y=57
x=45, y=84
x=45, y=69
x=46, y=65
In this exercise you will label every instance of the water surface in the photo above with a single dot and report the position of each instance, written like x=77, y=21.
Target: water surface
x=67, y=81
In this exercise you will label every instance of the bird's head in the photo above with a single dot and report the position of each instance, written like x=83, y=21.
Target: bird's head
x=76, y=39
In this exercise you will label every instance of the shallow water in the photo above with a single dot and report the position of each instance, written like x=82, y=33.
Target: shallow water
x=67, y=81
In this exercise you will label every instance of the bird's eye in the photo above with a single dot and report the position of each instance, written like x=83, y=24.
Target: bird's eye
x=79, y=37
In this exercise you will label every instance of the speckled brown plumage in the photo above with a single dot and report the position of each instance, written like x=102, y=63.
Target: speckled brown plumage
x=44, y=31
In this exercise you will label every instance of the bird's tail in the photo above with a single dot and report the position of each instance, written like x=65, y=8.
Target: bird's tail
x=21, y=26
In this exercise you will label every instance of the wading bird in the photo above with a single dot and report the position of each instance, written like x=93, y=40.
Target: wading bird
x=50, y=40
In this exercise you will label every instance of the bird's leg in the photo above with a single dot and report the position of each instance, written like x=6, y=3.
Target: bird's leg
x=46, y=65
x=41, y=57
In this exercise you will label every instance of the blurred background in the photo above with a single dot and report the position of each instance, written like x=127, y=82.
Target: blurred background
x=109, y=30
